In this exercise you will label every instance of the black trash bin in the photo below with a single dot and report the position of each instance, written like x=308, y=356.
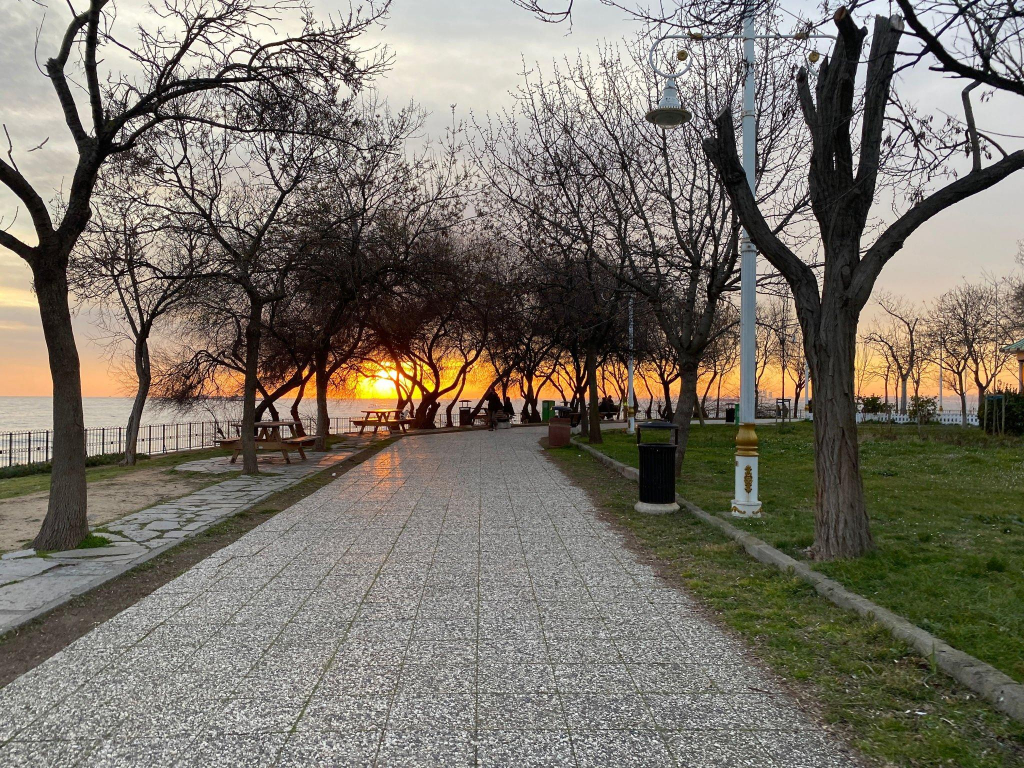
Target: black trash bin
x=730, y=414
x=465, y=417
x=657, y=467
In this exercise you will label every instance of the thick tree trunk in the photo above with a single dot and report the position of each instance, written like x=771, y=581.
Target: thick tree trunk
x=145, y=378
x=684, y=410
x=250, y=466
x=323, y=418
x=841, y=527
x=65, y=524
x=963, y=407
x=594, y=410
x=903, y=395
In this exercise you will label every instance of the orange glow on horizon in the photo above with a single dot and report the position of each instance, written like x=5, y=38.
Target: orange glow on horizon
x=379, y=385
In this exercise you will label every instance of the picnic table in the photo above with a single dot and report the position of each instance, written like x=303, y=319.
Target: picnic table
x=383, y=418
x=269, y=437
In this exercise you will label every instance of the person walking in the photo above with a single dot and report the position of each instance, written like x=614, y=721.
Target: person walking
x=493, y=406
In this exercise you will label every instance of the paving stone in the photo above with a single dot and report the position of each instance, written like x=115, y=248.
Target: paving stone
x=427, y=608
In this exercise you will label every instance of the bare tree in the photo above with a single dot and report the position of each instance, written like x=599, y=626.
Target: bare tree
x=181, y=53
x=842, y=183
x=135, y=272
x=896, y=336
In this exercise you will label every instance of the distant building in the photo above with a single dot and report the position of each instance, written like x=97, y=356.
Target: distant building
x=1019, y=349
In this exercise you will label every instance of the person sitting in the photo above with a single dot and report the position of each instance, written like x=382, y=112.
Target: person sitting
x=508, y=408
x=607, y=407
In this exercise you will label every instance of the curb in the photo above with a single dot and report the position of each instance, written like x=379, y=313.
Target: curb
x=1000, y=690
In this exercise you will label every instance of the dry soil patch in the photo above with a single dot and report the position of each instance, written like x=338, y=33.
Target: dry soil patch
x=109, y=499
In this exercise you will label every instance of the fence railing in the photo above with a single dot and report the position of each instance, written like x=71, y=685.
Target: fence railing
x=36, y=446
x=946, y=417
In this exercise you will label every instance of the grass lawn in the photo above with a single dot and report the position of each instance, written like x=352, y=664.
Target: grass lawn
x=947, y=514
x=882, y=696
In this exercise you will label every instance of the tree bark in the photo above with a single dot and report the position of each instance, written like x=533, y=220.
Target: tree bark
x=594, y=409
x=65, y=524
x=841, y=527
x=684, y=409
x=145, y=379
x=250, y=466
x=323, y=418
x=299, y=428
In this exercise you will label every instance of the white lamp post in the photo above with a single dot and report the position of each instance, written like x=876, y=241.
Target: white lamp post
x=669, y=114
x=630, y=416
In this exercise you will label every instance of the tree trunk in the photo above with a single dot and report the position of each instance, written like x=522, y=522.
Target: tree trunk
x=65, y=524
x=145, y=378
x=300, y=430
x=841, y=527
x=963, y=407
x=250, y=466
x=323, y=418
x=684, y=410
x=903, y=395
x=451, y=405
x=594, y=410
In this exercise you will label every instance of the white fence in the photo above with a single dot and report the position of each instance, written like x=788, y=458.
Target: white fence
x=946, y=417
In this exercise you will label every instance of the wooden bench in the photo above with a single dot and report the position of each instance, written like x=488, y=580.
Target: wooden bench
x=284, y=445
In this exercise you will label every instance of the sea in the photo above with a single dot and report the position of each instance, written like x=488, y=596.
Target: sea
x=19, y=414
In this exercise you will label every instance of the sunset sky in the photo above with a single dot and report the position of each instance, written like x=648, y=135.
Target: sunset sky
x=466, y=54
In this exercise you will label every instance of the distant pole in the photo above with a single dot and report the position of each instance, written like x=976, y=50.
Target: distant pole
x=940, y=376
x=630, y=416
x=807, y=385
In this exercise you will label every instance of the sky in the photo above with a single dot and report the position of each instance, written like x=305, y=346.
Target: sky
x=461, y=54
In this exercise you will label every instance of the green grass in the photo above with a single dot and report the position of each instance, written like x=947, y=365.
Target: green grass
x=93, y=541
x=947, y=514
x=884, y=698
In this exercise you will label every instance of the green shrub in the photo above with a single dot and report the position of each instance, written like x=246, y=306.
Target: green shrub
x=922, y=409
x=991, y=413
x=874, y=404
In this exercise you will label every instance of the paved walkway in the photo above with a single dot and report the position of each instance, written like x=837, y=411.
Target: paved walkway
x=451, y=602
x=31, y=585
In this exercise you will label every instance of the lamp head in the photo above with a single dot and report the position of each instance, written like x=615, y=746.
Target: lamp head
x=669, y=113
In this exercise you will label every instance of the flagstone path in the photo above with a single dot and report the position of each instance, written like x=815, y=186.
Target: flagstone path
x=453, y=601
x=31, y=585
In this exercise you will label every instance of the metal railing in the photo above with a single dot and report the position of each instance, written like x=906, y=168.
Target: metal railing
x=36, y=446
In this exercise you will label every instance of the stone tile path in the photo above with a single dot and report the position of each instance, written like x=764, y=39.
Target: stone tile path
x=30, y=585
x=451, y=602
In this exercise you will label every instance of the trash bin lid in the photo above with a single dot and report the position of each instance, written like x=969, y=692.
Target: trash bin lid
x=667, y=425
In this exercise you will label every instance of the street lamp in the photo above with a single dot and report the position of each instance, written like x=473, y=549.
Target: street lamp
x=630, y=415
x=669, y=114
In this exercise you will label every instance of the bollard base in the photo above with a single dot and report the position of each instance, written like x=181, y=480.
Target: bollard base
x=655, y=509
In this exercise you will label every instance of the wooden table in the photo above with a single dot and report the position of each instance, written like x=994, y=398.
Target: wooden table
x=269, y=438
x=386, y=418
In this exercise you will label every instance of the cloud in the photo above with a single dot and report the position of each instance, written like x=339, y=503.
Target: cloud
x=17, y=298
x=4, y=326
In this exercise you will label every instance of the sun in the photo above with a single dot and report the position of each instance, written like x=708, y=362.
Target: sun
x=379, y=384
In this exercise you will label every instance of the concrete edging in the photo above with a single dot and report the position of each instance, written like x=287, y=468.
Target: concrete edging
x=997, y=688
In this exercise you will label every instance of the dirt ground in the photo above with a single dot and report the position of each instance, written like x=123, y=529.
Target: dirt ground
x=109, y=499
